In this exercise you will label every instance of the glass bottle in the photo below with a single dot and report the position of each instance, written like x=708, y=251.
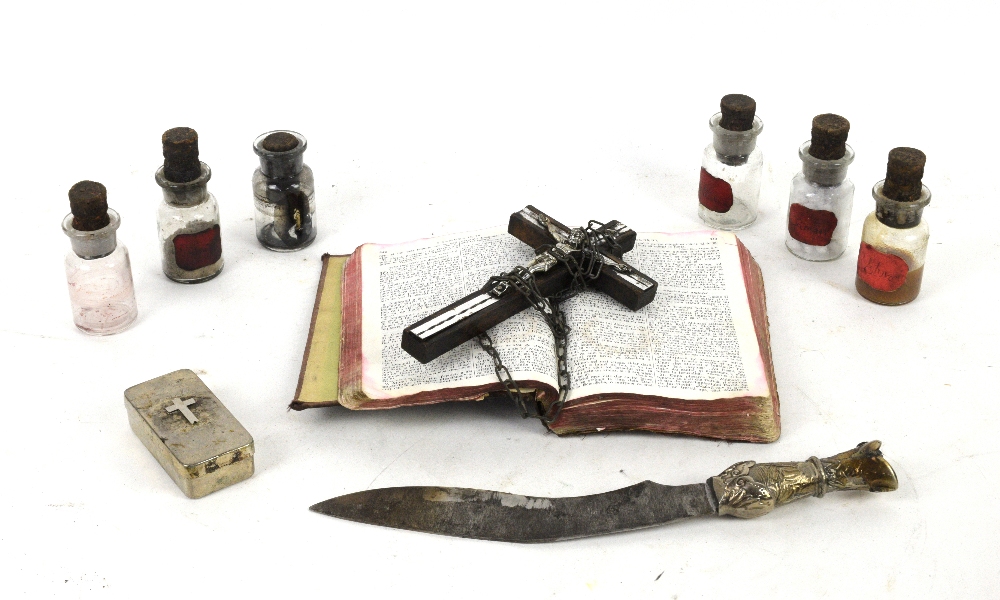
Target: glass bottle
x=729, y=188
x=98, y=271
x=188, y=217
x=821, y=198
x=284, y=192
x=894, y=238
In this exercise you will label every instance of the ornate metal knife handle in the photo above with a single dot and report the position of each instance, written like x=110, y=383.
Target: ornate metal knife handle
x=748, y=489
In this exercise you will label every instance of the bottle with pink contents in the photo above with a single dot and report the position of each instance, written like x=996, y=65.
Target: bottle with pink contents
x=98, y=271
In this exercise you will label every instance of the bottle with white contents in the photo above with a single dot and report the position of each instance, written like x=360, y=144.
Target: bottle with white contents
x=821, y=198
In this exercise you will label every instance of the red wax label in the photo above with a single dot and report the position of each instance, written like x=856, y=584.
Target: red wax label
x=884, y=272
x=714, y=193
x=193, y=251
x=809, y=226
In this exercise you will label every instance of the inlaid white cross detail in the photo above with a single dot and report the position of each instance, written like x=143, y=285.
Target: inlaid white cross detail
x=182, y=405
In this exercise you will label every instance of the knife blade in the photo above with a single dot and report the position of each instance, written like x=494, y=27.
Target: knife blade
x=745, y=490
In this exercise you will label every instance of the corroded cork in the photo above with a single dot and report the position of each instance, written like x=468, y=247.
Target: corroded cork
x=904, y=174
x=280, y=141
x=829, y=136
x=180, y=155
x=88, y=201
x=737, y=112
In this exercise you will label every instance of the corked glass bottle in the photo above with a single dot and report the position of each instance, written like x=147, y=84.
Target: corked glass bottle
x=821, y=198
x=729, y=188
x=98, y=271
x=188, y=217
x=894, y=238
x=284, y=192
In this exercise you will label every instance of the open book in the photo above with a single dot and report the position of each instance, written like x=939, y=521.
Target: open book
x=696, y=360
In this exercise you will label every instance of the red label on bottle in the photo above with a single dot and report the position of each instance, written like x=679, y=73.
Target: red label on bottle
x=193, y=251
x=714, y=193
x=810, y=226
x=884, y=272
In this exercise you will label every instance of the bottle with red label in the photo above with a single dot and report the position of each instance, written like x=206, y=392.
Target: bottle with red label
x=188, y=217
x=820, y=202
x=98, y=270
x=894, y=238
x=731, y=166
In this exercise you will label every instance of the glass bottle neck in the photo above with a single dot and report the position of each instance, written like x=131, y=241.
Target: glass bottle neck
x=93, y=244
x=280, y=165
x=189, y=193
x=896, y=214
x=825, y=172
x=734, y=147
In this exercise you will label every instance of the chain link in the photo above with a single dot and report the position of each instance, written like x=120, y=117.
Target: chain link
x=588, y=241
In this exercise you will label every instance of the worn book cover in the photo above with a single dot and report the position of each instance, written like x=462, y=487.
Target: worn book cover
x=695, y=361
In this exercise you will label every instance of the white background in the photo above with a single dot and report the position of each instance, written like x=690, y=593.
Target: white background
x=438, y=118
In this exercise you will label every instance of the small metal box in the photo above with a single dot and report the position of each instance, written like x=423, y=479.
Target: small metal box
x=195, y=439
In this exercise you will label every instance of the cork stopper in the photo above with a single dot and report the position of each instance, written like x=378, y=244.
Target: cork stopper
x=903, y=174
x=88, y=201
x=737, y=112
x=180, y=155
x=829, y=137
x=280, y=141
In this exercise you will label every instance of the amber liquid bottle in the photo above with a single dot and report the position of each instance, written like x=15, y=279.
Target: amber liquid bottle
x=894, y=238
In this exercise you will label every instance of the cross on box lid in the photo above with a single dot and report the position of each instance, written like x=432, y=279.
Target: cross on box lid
x=194, y=437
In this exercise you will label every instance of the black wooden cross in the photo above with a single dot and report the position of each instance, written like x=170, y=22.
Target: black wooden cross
x=465, y=319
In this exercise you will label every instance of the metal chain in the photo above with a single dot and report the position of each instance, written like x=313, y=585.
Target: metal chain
x=588, y=241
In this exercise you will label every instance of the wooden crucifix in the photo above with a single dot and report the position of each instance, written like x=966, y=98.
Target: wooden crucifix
x=465, y=319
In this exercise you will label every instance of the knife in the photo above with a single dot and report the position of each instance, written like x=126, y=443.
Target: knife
x=745, y=490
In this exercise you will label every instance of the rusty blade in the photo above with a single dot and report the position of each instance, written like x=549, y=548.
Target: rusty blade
x=488, y=515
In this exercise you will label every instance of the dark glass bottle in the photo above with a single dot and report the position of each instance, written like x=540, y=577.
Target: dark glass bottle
x=284, y=192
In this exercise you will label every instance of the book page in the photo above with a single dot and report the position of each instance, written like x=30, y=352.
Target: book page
x=694, y=341
x=403, y=283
